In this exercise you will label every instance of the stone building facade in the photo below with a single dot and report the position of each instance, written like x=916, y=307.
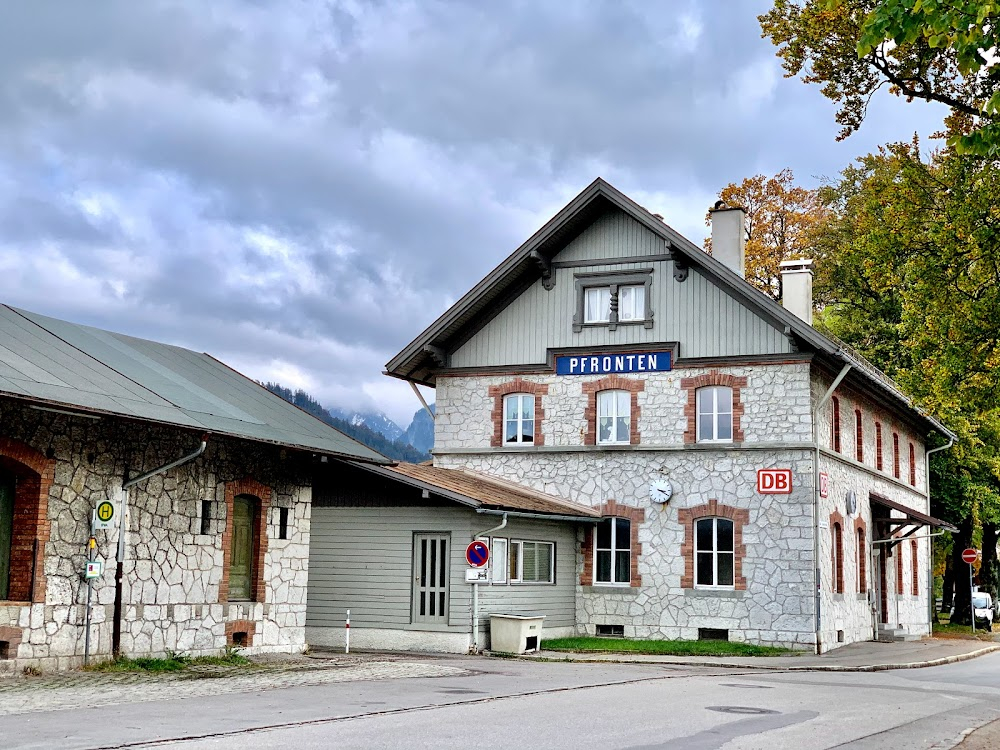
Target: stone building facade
x=700, y=418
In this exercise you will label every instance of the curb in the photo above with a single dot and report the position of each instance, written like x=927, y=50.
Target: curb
x=789, y=668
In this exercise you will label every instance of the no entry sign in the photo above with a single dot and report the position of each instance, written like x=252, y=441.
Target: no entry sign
x=970, y=555
x=477, y=554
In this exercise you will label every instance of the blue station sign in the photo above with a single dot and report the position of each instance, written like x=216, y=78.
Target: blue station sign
x=608, y=364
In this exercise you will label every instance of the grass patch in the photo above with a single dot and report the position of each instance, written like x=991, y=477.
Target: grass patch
x=170, y=663
x=666, y=648
x=946, y=629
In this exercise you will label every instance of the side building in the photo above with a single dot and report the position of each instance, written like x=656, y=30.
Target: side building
x=755, y=479
x=209, y=473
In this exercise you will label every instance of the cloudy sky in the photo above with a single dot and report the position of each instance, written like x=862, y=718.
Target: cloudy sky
x=299, y=186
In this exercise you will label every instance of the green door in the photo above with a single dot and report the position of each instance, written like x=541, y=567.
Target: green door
x=6, y=531
x=241, y=550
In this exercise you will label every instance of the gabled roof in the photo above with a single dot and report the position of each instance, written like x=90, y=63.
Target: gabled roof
x=483, y=492
x=418, y=361
x=57, y=364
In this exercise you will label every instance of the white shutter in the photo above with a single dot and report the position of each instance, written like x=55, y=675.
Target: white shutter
x=498, y=561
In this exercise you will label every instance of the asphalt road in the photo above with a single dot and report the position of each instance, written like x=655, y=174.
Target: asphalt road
x=501, y=703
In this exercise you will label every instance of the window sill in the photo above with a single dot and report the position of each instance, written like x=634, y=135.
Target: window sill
x=620, y=588
x=709, y=593
x=838, y=597
x=862, y=596
x=6, y=603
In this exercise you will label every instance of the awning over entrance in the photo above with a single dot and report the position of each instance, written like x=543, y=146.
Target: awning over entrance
x=912, y=518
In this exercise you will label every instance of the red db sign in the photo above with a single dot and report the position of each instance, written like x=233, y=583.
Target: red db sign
x=774, y=481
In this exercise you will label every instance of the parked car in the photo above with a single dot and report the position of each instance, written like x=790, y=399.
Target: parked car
x=982, y=606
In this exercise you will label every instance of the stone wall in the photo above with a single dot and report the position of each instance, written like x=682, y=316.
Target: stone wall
x=171, y=596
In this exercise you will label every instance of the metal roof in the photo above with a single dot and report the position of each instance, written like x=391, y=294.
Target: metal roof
x=480, y=491
x=416, y=362
x=60, y=364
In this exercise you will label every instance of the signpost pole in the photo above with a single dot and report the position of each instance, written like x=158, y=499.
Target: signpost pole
x=972, y=604
x=347, y=633
x=91, y=546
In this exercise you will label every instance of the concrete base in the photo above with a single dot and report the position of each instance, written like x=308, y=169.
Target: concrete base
x=445, y=641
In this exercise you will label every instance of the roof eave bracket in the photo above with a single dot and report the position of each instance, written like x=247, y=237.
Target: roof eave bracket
x=681, y=267
x=438, y=354
x=545, y=266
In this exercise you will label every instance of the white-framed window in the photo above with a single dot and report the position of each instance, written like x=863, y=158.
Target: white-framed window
x=632, y=302
x=597, y=304
x=613, y=552
x=531, y=562
x=614, y=417
x=519, y=418
x=715, y=414
x=714, y=556
x=498, y=560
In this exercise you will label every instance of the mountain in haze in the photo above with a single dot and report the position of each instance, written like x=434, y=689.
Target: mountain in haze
x=420, y=433
x=398, y=450
x=373, y=420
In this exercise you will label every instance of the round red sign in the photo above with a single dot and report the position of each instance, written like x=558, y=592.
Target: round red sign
x=970, y=555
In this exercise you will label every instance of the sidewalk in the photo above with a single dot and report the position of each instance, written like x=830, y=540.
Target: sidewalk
x=856, y=657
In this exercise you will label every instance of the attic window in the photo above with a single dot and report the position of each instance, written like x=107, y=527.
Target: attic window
x=613, y=299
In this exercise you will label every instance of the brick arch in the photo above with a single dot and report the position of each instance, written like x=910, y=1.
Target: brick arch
x=612, y=383
x=713, y=509
x=712, y=377
x=614, y=509
x=34, y=474
x=264, y=494
x=517, y=385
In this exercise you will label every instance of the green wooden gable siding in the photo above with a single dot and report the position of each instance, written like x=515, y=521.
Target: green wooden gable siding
x=705, y=320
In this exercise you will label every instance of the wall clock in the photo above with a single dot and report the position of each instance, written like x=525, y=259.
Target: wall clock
x=851, y=503
x=660, y=490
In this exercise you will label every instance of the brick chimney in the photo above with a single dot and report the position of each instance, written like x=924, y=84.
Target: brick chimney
x=797, y=288
x=729, y=236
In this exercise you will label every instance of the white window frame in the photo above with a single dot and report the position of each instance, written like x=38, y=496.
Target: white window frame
x=715, y=413
x=615, y=416
x=498, y=571
x=520, y=436
x=638, y=311
x=715, y=554
x=517, y=574
x=586, y=307
x=614, y=550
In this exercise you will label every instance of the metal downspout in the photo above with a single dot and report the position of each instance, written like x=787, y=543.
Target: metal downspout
x=116, y=628
x=930, y=545
x=475, y=589
x=817, y=603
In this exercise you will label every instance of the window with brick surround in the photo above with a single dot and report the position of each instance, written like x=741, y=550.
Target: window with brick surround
x=617, y=518
x=614, y=417
x=613, y=552
x=914, y=568
x=895, y=454
x=713, y=378
x=859, y=437
x=519, y=418
x=612, y=413
x=704, y=539
x=899, y=569
x=715, y=414
x=6, y=530
x=835, y=425
x=520, y=388
x=878, y=446
x=913, y=466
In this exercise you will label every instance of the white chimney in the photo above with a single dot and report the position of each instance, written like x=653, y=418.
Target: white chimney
x=797, y=288
x=729, y=236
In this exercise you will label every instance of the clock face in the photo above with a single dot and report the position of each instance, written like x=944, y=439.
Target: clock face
x=852, y=503
x=660, y=490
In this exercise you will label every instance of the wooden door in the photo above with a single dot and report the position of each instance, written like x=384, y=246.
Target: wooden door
x=430, y=578
x=241, y=549
x=883, y=590
x=6, y=531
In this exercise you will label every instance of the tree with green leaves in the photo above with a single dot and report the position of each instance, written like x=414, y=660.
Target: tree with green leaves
x=934, y=50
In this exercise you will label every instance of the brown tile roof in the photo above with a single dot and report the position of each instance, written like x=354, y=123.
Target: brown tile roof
x=488, y=492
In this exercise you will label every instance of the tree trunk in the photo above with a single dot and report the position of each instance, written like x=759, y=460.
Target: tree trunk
x=948, y=583
x=989, y=573
x=963, y=595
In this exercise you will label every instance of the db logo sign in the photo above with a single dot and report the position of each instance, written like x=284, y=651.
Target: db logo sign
x=774, y=481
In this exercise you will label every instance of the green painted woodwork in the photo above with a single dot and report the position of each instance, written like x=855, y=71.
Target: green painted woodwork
x=241, y=550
